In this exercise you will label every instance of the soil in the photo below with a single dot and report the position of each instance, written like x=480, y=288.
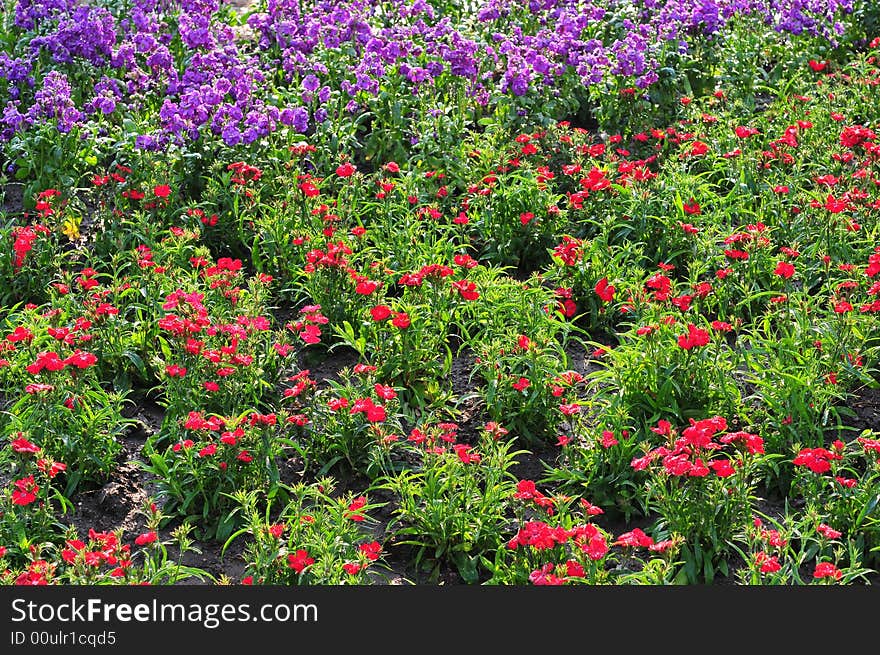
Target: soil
x=865, y=404
x=12, y=198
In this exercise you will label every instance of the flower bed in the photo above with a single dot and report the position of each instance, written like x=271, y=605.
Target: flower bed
x=522, y=293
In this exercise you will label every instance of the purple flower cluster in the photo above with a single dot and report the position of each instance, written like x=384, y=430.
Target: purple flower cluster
x=53, y=102
x=188, y=75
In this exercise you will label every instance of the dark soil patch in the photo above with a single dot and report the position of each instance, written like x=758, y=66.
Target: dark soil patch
x=121, y=502
x=325, y=366
x=13, y=198
x=865, y=405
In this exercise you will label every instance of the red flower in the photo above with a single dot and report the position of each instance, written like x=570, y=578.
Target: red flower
x=371, y=550
x=22, y=445
x=385, y=392
x=661, y=546
x=696, y=337
x=767, y=563
x=828, y=531
x=745, y=132
x=346, y=170
x=570, y=409
x=401, y=320
x=466, y=289
x=352, y=513
x=573, y=569
x=818, y=460
x=522, y=384
x=817, y=66
x=162, y=191
x=20, y=334
x=309, y=189
x=634, y=539
x=380, y=312
x=604, y=290
x=465, y=454
x=545, y=576
x=827, y=570
x=722, y=468
x=173, y=370
x=366, y=287
x=311, y=334
x=352, y=568
x=46, y=360
x=835, y=205
x=784, y=269
x=25, y=491
x=299, y=560
x=608, y=439
x=692, y=208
